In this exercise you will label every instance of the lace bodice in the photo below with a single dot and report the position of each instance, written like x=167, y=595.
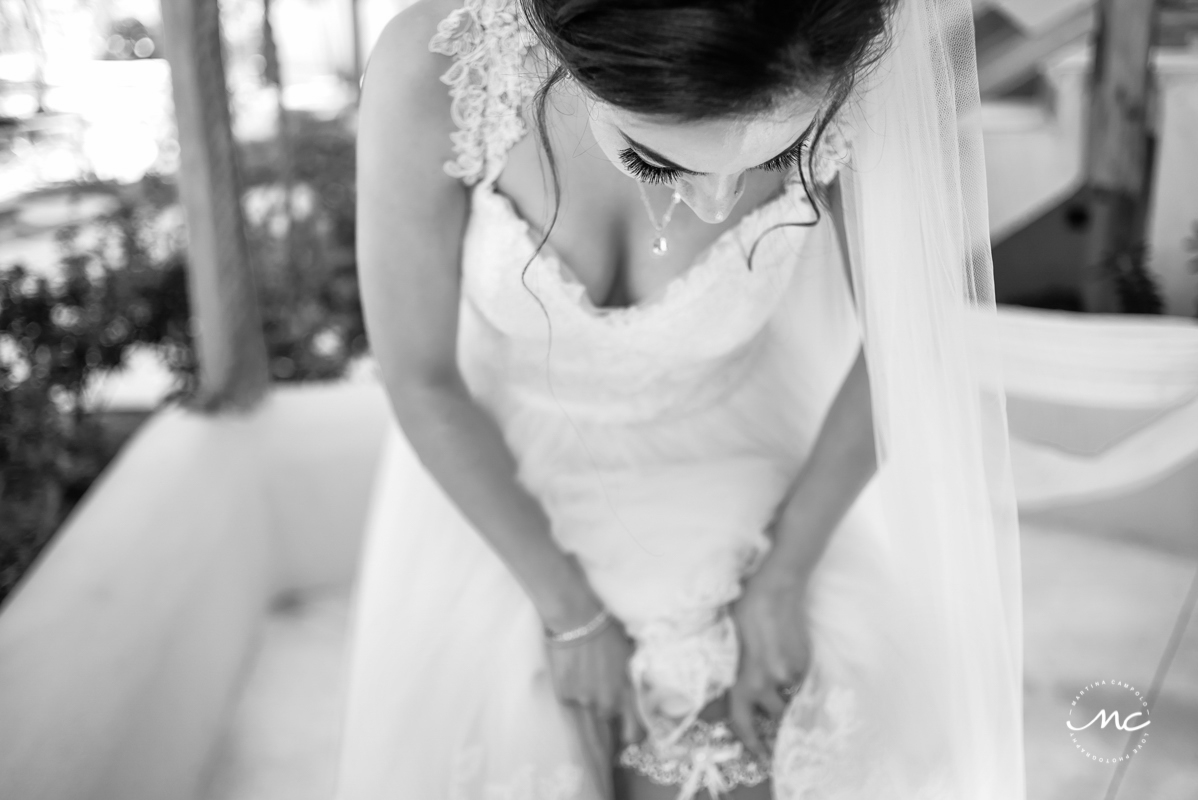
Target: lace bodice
x=678, y=351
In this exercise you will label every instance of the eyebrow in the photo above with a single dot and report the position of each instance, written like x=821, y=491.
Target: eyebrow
x=662, y=161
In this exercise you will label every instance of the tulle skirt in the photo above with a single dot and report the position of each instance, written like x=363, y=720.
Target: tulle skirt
x=449, y=694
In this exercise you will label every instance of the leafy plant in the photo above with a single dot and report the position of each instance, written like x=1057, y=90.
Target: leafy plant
x=302, y=246
x=121, y=282
x=1134, y=283
x=111, y=291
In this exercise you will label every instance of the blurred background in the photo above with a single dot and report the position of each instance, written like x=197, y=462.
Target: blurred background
x=190, y=418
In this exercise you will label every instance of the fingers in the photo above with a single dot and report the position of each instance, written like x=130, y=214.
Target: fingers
x=597, y=748
x=610, y=705
x=786, y=680
x=771, y=702
x=588, y=675
x=632, y=730
x=798, y=656
x=602, y=700
x=779, y=667
x=785, y=658
x=740, y=717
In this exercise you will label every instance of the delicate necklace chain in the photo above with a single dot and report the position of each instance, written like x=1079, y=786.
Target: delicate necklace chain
x=660, y=245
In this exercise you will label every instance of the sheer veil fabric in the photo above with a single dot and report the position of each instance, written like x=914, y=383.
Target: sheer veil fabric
x=917, y=616
x=923, y=279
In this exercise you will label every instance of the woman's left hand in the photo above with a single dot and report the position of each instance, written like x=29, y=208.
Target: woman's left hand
x=775, y=650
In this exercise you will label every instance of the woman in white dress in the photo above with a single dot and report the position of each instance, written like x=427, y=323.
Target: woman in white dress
x=630, y=535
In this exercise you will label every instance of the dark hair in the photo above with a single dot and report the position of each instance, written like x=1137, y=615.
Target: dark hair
x=690, y=60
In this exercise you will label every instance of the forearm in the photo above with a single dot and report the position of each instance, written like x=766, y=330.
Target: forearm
x=412, y=220
x=841, y=463
x=464, y=450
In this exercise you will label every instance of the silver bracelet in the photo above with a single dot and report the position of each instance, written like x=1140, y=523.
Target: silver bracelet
x=600, y=622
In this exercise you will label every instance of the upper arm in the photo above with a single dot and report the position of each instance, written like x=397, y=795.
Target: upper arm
x=410, y=214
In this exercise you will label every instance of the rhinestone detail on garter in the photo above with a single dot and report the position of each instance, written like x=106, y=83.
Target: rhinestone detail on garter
x=708, y=756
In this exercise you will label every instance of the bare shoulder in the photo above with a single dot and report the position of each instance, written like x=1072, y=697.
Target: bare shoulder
x=404, y=125
x=406, y=37
x=401, y=66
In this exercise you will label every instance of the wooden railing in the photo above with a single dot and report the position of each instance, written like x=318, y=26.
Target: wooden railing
x=1005, y=66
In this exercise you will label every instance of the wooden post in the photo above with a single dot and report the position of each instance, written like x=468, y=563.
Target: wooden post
x=224, y=309
x=1118, y=160
x=355, y=22
x=1011, y=63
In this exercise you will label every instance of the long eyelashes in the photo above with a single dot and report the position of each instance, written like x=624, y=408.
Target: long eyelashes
x=648, y=173
x=786, y=160
x=644, y=171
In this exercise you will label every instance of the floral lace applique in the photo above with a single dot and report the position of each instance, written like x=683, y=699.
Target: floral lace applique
x=822, y=742
x=813, y=744
x=563, y=782
x=814, y=749
x=488, y=41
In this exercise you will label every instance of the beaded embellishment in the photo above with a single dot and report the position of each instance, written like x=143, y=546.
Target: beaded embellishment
x=708, y=756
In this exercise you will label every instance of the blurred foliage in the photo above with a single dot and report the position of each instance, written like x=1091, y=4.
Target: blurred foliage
x=302, y=246
x=128, y=39
x=1134, y=282
x=108, y=294
x=121, y=282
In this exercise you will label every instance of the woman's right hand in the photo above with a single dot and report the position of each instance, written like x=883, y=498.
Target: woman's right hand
x=593, y=672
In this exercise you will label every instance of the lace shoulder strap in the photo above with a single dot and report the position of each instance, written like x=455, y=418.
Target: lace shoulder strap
x=488, y=82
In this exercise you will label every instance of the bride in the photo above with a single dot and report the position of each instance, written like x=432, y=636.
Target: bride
x=697, y=480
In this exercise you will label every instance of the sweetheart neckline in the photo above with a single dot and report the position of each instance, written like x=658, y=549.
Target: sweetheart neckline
x=576, y=291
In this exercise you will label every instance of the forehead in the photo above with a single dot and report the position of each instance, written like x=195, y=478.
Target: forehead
x=715, y=146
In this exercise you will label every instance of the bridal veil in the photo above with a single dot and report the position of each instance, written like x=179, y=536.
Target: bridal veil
x=923, y=281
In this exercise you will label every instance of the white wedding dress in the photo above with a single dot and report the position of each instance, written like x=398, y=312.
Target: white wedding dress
x=661, y=439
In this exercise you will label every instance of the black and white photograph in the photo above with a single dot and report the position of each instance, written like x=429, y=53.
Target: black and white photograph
x=598, y=399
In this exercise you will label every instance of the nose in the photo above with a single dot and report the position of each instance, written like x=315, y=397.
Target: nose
x=712, y=197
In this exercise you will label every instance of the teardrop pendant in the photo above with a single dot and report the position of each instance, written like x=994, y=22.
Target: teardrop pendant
x=659, y=244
